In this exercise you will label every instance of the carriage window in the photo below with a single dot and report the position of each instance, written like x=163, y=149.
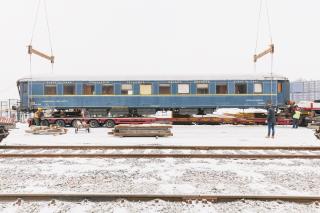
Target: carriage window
x=126, y=89
x=240, y=88
x=145, y=89
x=88, y=89
x=222, y=89
x=183, y=88
x=257, y=88
x=69, y=89
x=107, y=89
x=50, y=90
x=202, y=89
x=164, y=89
x=279, y=87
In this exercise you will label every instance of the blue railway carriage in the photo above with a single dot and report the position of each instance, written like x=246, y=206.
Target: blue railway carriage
x=143, y=95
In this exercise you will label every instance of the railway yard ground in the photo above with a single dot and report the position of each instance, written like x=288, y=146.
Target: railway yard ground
x=132, y=180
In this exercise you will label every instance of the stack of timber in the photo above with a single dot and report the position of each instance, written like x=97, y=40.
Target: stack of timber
x=45, y=130
x=7, y=122
x=142, y=130
x=315, y=123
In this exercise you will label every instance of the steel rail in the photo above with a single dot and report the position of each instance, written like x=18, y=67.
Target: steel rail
x=231, y=156
x=149, y=197
x=298, y=148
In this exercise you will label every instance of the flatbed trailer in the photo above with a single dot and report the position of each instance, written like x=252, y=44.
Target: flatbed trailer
x=110, y=122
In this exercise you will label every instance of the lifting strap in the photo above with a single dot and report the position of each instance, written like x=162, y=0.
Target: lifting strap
x=31, y=50
x=270, y=50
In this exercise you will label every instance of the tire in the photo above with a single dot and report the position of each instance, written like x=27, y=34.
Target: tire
x=94, y=124
x=74, y=123
x=44, y=123
x=60, y=123
x=3, y=133
x=110, y=124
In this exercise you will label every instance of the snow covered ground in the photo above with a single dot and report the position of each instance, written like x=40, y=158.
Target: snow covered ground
x=159, y=206
x=223, y=135
x=164, y=176
x=161, y=176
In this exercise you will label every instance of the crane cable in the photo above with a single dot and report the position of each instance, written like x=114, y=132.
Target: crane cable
x=270, y=37
x=259, y=22
x=31, y=40
x=48, y=28
x=258, y=30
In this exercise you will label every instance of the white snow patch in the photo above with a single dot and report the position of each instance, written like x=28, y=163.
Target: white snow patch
x=206, y=135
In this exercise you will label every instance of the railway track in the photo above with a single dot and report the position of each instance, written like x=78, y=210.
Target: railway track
x=299, y=148
x=253, y=152
x=149, y=197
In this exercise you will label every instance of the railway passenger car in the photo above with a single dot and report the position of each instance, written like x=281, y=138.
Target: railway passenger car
x=146, y=95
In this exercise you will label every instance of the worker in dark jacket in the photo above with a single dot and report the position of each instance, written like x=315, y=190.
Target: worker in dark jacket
x=271, y=120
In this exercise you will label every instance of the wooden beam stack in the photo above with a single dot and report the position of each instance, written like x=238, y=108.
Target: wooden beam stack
x=8, y=122
x=46, y=130
x=142, y=130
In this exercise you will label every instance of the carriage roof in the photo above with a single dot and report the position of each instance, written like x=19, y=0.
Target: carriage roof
x=153, y=78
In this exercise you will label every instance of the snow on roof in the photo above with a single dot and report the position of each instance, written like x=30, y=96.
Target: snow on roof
x=52, y=77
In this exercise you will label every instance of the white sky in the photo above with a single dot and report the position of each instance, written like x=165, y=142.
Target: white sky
x=158, y=37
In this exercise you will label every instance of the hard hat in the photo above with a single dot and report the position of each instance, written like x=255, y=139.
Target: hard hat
x=40, y=109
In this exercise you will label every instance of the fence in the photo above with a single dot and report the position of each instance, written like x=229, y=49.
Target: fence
x=305, y=90
x=10, y=109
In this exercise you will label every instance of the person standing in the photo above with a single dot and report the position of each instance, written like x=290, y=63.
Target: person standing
x=271, y=121
x=296, y=118
x=38, y=115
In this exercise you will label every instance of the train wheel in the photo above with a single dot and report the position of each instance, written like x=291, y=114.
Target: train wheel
x=60, y=123
x=110, y=123
x=94, y=123
x=44, y=123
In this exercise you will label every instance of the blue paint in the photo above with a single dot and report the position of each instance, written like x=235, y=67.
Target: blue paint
x=192, y=100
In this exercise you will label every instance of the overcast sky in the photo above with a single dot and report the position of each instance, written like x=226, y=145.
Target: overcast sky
x=158, y=37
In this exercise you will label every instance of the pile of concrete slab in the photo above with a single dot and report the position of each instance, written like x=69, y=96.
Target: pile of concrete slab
x=47, y=130
x=142, y=130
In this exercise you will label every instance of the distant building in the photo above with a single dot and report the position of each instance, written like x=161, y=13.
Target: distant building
x=305, y=90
